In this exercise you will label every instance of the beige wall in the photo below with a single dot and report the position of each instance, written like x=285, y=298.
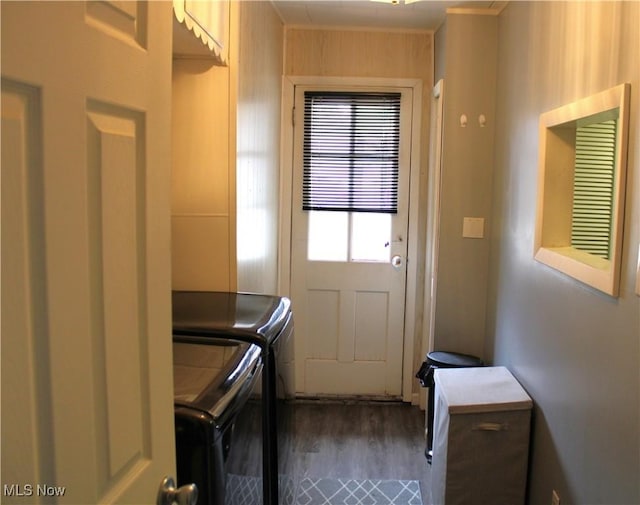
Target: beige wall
x=226, y=146
x=203, y=201
x=203, y=196
x=574, y=349
x=258, y=146
x=359, y=53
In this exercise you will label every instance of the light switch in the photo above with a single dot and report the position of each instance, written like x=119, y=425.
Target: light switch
x=473, y=227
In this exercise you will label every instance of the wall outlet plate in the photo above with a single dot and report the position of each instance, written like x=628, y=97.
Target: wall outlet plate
x=473, y=227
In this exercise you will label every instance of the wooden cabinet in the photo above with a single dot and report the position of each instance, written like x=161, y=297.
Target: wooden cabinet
x=201, y=29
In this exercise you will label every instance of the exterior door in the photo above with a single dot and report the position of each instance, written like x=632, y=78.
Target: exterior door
x=87, y=392
x=348, y=278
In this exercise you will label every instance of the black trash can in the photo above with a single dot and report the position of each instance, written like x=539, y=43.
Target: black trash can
x=433, y=361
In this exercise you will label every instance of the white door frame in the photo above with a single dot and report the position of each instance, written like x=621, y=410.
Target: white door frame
x=286, y=180
x=433, y=221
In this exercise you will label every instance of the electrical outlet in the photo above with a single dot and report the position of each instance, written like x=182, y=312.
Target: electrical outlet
x=555, y=498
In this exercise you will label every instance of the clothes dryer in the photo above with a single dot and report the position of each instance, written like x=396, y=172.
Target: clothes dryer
x=267, y=322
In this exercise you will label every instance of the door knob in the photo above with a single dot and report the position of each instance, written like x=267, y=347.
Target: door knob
x=168, y=494
x=397, y=261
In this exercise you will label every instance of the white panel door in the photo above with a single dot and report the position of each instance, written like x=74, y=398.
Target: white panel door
x=349, y=311
x=87, y=393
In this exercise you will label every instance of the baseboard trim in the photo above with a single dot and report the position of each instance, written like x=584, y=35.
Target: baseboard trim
x=349, y=399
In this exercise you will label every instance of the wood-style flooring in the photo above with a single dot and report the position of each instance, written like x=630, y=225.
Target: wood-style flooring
x=358, y=440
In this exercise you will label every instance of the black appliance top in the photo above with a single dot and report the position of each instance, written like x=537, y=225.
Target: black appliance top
x=248, y=317
x=215, y=377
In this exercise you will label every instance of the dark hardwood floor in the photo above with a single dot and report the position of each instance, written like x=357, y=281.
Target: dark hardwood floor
x=358, y=440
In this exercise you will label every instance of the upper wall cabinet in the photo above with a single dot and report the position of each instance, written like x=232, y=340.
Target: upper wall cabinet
x=201, y=29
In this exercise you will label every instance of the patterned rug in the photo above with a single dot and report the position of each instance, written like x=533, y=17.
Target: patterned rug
x=243, y=490
x=358, y=492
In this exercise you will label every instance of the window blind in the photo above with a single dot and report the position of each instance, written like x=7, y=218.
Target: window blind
x=593, y=187
x=351, y=152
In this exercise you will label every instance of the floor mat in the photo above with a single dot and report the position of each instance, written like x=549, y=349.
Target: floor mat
x=358, y=492
x=243, y=490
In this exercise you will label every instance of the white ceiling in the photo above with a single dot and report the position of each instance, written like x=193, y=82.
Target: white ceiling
x=414, y=15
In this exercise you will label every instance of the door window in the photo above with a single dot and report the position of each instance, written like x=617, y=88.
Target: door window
x=349, y=236
x=350, y=181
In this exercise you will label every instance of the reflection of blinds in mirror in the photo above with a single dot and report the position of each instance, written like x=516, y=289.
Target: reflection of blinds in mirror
x=351, y=151
x=593, y=188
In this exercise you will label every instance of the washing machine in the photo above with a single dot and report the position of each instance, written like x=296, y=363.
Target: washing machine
x=267, y=322
x=215, y=386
